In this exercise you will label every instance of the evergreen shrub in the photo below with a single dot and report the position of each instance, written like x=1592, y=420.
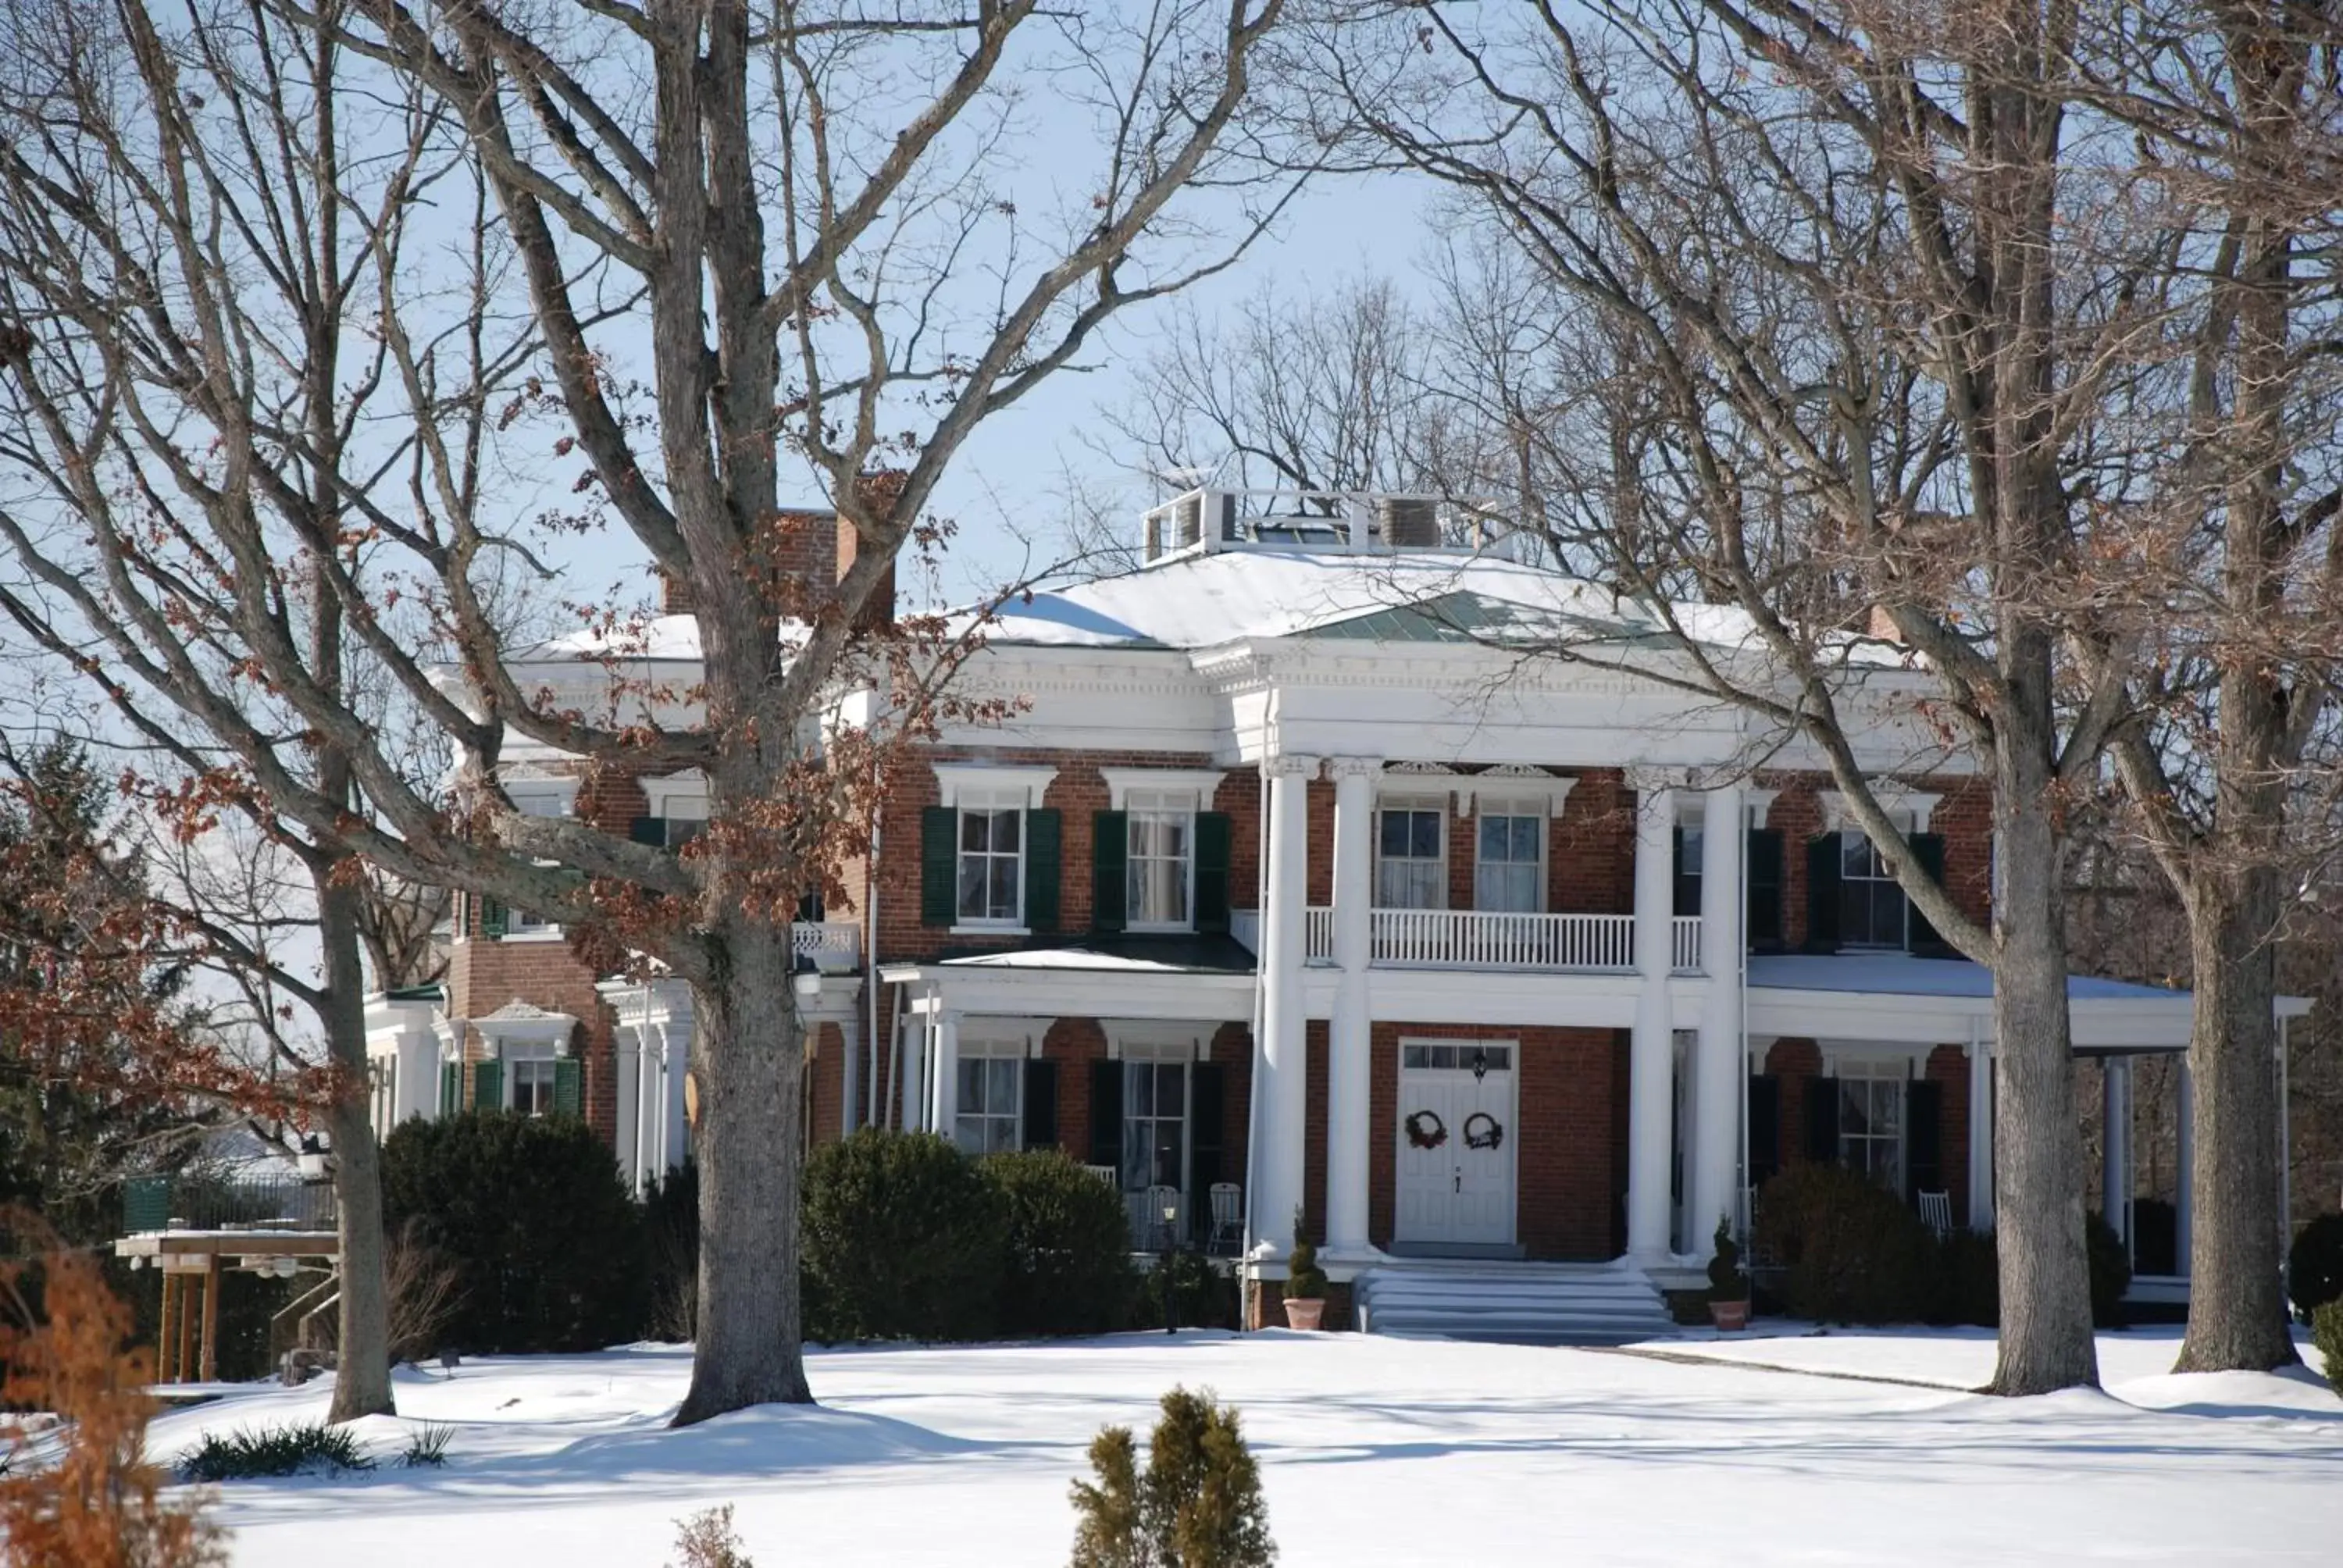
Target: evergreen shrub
x=1067, y=1258
x=2314, y=1265
x=2326, y=1336
x=904, y=1238
x=1198, y=1505
x=1851, y=1252
x=533, y=1216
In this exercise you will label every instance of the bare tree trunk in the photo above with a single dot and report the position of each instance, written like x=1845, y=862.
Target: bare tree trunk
x=2046, y=1285
x=747, y=1049
x=362, y=1383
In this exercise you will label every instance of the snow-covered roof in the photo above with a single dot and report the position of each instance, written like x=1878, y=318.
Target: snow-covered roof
x=1899, y=974
x=1201, y=601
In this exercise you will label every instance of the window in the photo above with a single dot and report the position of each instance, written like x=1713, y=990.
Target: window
x=382, y=1072
x=1508, y=875
x=992, y=864
x=1411, y=873
x=685, y=819
x=1871, y=902
x=1161, y=868
x=1470, y=1056
x=536, y=803
x=1154, y=1125
x=529, y=1087
x=1871, y=1120
x=988, y=1119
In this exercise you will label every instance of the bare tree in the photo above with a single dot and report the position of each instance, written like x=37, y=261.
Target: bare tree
x=1872, y=304
x=749, y=242
x=2237, y=554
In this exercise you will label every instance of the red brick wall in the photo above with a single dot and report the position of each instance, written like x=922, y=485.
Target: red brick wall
x=484, y=975
x=1963, y=817
x=1591, y=855
x=1796, y=1062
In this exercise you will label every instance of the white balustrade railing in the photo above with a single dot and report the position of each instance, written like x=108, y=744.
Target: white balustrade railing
x=1683, y=949
x=1484, y=939
x=834, y=946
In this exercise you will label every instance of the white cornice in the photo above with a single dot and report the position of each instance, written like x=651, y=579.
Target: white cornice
x=1202, y=782
x=1891, y=798
x=954, y=778
x=660, y=791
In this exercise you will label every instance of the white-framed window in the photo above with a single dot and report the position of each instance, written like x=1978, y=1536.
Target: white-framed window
x=990, y=860
x=1161, y=868
x=535, y=803
x=382, y=1076
x=1509, y=870
x=990, y=1115
x=1870, y=1120
x=528, y=1075
x=685, y=817
x=1154, y=1123
x=1410, y=858
x=1872, y=908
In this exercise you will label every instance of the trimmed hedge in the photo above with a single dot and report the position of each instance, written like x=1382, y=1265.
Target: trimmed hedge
x=534, y=1216
x=1851, y=1252
x=2327, y=1335
x=904, y=1238
x=2314, y=1265
x=1067, y=1245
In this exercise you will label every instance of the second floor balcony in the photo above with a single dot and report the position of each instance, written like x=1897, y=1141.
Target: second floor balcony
x=1493, y=939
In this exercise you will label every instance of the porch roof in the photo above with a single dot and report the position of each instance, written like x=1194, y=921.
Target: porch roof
x=1943, y=1000
x=1201, y=977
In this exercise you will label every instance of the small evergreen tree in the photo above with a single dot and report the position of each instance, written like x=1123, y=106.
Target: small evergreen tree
x=1198, y=1505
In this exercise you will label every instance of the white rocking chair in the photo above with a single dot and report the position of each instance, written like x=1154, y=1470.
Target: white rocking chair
x=1228, y=1220
x=1936, y=1214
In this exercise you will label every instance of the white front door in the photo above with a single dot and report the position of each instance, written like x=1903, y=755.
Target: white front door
x=1457, y=1142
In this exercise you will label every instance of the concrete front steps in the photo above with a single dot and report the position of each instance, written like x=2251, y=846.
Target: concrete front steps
x=1511, y=1304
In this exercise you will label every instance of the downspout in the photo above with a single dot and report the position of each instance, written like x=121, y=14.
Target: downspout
x=888, y=1106
x=1253, y=1097
x=1745, y=1200
x=870, y=1001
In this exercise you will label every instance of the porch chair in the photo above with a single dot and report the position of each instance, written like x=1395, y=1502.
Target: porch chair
x=1106, y=1173
x=1936, y=1214
x=1228, y=1220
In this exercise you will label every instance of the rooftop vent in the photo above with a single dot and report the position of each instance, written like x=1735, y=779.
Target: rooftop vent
x=1408, y=522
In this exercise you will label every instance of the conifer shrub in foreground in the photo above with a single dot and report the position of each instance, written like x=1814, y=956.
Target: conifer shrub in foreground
x=2327, y=1337
x=1198, y=1505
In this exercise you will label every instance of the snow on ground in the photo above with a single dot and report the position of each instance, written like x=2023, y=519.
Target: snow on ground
x=1373, y=1451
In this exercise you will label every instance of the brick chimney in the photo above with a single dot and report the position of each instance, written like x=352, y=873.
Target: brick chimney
x=814, y=546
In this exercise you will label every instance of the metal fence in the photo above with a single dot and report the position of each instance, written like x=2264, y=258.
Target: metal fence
x=205, y=1203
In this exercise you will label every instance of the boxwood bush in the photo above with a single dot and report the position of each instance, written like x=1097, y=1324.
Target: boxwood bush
x=2326, y=1336
x=1850, y=1251
x=2314, y=1266
x=1067, y=1254
x=532, y=1212
x=904, y=1238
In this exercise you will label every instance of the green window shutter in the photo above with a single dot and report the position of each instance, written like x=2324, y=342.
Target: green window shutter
x=1043, y=833
x=1765, y=1128
x=648, y=830
x=1110, y=870
x=1207, y=1102
x=1822, y=1121
x=1928, y=848
x=1765, y=875
x=938, y=868
x=569, y=1087
x=1685, y=880
x=488, y=1085
x=1213, y=840
x=1041, y=1091
x=1822, y=894
x=492, y=919
x=451, y=1088
x=1106, y=1116
x=1924, y=1137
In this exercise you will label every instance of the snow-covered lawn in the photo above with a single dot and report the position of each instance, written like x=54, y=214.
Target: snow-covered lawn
x=1374, y=1451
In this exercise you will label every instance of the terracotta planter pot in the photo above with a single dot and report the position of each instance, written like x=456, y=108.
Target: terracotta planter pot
x=1304, y=1312
x=1729, y=1316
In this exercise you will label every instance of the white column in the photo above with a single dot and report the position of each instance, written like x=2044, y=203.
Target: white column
x=1651, y=1106
x=626, y=1048
x=649, y=1104
x=1350, y=1049
x=947, y=1072
x=1281, y=1077
x=1717, y=1067
x=915, y=1073
x=675, y=1146
x=2115, y=1142
x=2184, y=1208
x=1980, y=1131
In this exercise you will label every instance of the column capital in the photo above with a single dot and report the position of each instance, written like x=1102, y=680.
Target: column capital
x=1644, y=778
x=1290, y=765
x=1341, y=767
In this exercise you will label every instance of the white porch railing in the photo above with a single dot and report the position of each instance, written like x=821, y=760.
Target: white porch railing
x=1683, y=949
x=834, y=946
x=1482, y=938
x=1318, y=934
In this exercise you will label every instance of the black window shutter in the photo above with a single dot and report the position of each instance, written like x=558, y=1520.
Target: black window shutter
x=1928, y=848
x=451, y=1088
x=1923, y=1136
x=1040, y=1104
x=1205, y=1108
x=1822, y=894
x=1042, y=833
x=1765, y=1128
x=1764, y=873
x=1687, y=879
x=569, y=1087
x=1106, y=1116
x=1110, y=870
x=648, y=830
x=939, y=866
x=1822, y=1121
x=1212, y=838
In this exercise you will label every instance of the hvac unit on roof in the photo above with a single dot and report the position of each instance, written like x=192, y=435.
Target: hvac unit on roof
x=1408, y=522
